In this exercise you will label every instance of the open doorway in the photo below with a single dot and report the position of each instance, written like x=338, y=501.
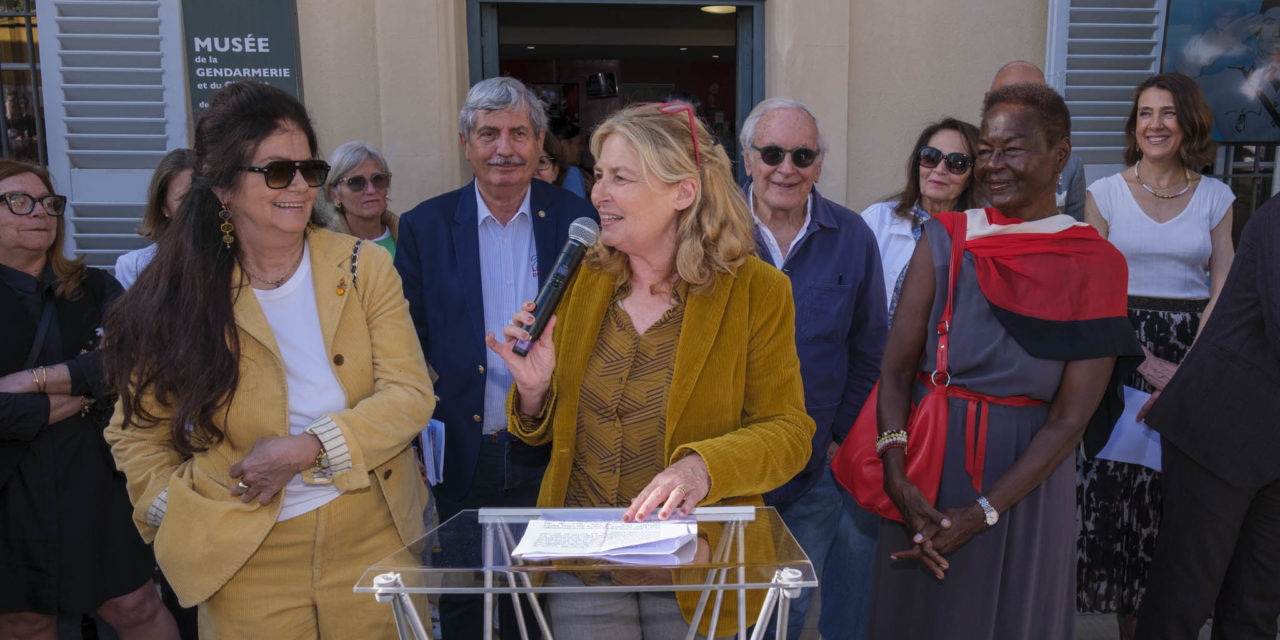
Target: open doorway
x=588, y=59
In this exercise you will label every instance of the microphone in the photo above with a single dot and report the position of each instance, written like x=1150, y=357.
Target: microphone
x=582, y=234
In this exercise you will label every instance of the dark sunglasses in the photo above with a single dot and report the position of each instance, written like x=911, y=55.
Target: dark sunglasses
x=957, y=163
x=22, y=204
x=358, y=183
x=773, y=155
x=279, y=173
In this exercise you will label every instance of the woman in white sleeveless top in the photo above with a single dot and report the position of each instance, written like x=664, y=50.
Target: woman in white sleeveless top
x=1174, y=228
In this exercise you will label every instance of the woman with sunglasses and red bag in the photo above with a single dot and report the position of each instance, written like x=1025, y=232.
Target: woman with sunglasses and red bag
x=939, y=178
x=270, y=385
x=1030, y=307
x=669, y=379
x=354, y=198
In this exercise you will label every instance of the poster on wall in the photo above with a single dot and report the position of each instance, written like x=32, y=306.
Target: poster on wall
x=1232, y=49
x=229, y=40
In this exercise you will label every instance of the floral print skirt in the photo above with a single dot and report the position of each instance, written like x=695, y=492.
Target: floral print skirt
x=1119, y=504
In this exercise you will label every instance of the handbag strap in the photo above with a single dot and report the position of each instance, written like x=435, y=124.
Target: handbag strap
x=42, y=329
x=944, y=326
x=355, y=260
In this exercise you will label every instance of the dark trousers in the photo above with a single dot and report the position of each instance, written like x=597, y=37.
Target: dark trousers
x=508, y=474
x=1218, y=553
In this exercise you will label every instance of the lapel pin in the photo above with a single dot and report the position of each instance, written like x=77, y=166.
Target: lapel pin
x=342, y=286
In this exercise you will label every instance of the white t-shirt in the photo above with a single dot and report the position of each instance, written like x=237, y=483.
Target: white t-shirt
x=129, y=265
x=1170, y=259
x=313, y=389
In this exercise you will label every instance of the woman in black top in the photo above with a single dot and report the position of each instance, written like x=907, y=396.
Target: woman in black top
x=67, y=541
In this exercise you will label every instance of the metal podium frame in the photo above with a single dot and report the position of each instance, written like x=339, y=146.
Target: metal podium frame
x=502, y=574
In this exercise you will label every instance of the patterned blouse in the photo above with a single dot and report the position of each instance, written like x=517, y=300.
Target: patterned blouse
x=622, y=412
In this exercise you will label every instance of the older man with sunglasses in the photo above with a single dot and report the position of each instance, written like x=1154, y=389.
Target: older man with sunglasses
x=468, y=259
x=831, y=257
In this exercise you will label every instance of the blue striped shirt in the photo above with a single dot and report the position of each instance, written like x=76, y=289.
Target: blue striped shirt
x=508, y=277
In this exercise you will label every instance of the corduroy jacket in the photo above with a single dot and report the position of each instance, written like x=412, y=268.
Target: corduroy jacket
x=736, y=396
x=202, y=533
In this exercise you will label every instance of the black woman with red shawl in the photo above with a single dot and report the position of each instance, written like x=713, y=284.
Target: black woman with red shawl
x=1037, y=345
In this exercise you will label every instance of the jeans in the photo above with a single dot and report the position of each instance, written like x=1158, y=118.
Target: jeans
x=847, y=582
x=840, y=540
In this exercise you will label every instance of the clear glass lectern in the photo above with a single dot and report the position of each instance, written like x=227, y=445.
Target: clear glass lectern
x=748, y=563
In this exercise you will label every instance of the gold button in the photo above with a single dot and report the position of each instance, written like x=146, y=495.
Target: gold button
x=542, y=214
x=338, y=359
x=477, y=418
x=481, y=368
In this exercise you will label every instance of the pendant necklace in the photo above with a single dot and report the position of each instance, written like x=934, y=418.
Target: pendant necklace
x=274, y=284
x=1151, y=190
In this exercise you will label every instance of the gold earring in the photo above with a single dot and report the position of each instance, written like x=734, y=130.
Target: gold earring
x=339, y=207
x=226, y=227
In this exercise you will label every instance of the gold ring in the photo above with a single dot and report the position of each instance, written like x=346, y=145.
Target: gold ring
x=683, y=489
x=242, y=485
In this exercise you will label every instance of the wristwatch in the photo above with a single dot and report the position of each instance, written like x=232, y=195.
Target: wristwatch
x=989, y=513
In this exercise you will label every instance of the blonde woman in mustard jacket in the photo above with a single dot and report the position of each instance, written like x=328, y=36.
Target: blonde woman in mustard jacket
x=670, y=378
x=270, y=467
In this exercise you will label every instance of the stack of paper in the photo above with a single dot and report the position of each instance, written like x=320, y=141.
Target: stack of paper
x=645, y=543
x=1131, y=441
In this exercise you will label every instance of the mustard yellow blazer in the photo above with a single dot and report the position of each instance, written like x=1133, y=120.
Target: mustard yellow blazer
x=736, y=397
x=203, y=534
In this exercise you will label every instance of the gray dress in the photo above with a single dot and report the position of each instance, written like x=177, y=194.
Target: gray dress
x=1017, y=579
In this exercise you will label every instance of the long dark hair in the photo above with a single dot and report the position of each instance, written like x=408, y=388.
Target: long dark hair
x=172, y=350
x=969, y=198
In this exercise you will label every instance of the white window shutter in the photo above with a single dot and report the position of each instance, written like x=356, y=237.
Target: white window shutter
x=1098, y=51
x=115, y=103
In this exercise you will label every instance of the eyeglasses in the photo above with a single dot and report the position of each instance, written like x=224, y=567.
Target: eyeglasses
x=801, y=157
x=677, y=107
x=279, y=173
x=957, y=163
x=22, y=204
x=381, y=181
x=546, y=162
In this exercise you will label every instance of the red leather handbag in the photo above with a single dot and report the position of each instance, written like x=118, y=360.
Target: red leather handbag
x=856, y=465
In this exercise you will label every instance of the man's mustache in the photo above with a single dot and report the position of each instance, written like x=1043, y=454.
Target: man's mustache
x=512, y=161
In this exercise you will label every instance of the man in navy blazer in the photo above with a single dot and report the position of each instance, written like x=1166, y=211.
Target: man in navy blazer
x=1219, y=545
x=468, y=259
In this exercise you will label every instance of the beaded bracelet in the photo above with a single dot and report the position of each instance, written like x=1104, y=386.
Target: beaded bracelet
x=890, y=440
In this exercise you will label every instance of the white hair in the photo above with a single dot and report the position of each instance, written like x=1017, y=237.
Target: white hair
x=342, y=161
x=748, y=136
x=501, y=93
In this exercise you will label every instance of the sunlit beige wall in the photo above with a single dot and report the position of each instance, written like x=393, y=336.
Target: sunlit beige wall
x=394, y=72
x=914, y=61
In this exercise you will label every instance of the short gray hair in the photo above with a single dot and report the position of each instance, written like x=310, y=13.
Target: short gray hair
x=501, y=93
x=748, y=137
x=342, y=161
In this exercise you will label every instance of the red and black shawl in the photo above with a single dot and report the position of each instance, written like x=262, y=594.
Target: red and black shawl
x=1061, y=291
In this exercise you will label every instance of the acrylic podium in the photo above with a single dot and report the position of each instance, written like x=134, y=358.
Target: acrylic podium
x=747, y=550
